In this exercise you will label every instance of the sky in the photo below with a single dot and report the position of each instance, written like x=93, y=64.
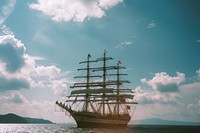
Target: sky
x=43, y=41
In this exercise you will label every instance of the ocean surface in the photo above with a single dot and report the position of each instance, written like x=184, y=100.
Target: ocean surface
x=64, y=128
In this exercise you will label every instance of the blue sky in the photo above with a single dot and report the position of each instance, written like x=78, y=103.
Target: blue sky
x=42, y=41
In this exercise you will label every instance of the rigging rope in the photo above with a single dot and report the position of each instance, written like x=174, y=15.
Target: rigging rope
x=133, y=112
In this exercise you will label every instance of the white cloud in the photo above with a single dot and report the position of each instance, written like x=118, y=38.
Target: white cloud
x=14, y=83
x=172, y=105
x=152, y=24
x=49, y=77
x=73, y=10
x=164, y=83
x=11, y=52
x=198, y=72
x=192, y=88
x=144, y=96
x=15, y=97
x=6, y=11
x=18, y=98
x=108, y=3
x=19, y=70
x=11, y=62
x=195, y=107
x=6, y=30
x=59, y=87
x=48, y=71
x=179, y=103
x=17, y=103
x=139, y=20
x=31, y=76
x=124, y=44
x=194, y=85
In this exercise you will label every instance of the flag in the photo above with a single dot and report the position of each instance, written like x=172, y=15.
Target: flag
x=128, y=107
x=119, y=62
x=89, y=55
x=122, y=100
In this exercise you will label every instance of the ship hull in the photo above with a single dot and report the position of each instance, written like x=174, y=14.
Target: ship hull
x=92, y=120
x=83, y=124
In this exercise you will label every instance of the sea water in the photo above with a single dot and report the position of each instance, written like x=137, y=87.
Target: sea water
x=65, y=128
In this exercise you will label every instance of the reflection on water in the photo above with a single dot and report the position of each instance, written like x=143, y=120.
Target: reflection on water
x=31, y=128
x=55, y=128
x=64, y=128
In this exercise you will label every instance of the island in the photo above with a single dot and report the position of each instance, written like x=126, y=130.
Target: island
x=13, y=118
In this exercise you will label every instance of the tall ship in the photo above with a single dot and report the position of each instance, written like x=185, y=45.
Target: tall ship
x=100, y=99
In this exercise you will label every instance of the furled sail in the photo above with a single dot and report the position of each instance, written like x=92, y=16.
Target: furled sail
x=94, y=91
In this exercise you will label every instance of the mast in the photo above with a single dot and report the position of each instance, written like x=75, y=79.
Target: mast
x=104, y=79
x=88, y=80
x=87, y=84
x=118, y=88
x=118, y=83
x=104, y=91
x=104, y=82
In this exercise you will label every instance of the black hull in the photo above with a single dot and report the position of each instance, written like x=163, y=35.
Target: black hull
x=81, y=124
x=92, y=120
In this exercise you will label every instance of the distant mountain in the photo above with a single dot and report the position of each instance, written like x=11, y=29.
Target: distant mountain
x=157, y=121
x=13, y=118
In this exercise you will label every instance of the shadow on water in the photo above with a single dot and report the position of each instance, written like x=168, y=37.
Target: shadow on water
x=102, y=130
